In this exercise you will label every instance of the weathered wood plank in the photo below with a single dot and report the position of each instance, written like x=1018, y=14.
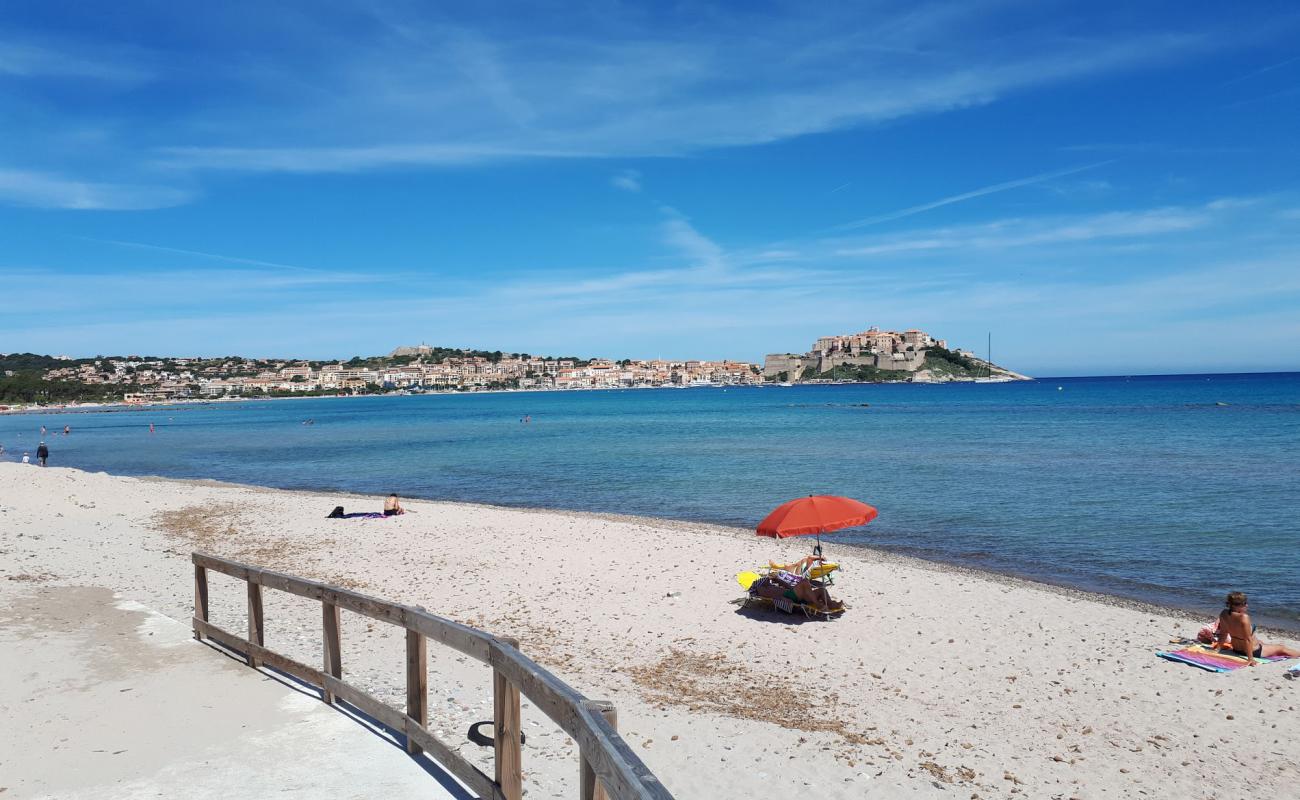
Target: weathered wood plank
x=417, y=683
x=552, y=696
x=479, y=783
x=200, y=596
x=608, y=763
x=507, y=725
x=333, y=646
x=256, y=629
x=619, y=769
x=379, y=710
x=467, y=640
x=264, y=656
x=588, y=787
x=471, y=642
x=616, y=766
x=223, y=565
x=228, y=640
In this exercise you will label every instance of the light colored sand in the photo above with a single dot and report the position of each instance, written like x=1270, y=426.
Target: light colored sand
x=935, y=683
x=107, y=700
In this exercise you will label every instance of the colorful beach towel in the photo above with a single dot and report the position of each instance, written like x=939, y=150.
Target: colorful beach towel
x=1208, y=659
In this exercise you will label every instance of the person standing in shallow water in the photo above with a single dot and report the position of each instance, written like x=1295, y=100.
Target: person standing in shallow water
x=42, y=453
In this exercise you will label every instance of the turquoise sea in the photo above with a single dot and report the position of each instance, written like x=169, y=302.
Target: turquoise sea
x=1173, y=489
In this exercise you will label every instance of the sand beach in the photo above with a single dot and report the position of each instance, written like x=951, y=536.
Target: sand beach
x=938, y=682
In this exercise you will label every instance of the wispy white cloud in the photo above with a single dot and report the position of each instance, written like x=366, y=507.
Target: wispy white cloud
x=1154, y=148
x=1262, y=70
x=971, y=195
x=352, y=159
x=374, y=86
x=1290, y=91
x=629, y=180
x=23, y=59
x=199, y=254
x=468, y=92
x=702, y=251
x=644, y=312
x=44, y=190
x=1008, y=233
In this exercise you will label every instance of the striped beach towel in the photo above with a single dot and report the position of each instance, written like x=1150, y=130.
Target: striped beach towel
x=1208, y=659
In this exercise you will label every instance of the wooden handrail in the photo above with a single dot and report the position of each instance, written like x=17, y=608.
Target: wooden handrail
x=608, y=767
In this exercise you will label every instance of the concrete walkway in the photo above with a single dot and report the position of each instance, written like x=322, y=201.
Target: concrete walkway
x=103, y=698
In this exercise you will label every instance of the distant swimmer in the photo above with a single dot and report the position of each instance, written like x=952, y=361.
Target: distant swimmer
x=42, y=430
x=309, y=422
x=67, y=429
x=151, y=427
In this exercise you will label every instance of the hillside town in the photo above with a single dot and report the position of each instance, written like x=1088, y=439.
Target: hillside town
x=872, y=355
x=407, y=369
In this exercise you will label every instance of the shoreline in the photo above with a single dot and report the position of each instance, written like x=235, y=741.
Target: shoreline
x=123, y=406
x=936, y=678
x=1270, y=625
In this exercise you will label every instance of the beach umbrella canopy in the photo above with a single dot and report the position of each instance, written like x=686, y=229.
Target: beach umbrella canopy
x=815, y=514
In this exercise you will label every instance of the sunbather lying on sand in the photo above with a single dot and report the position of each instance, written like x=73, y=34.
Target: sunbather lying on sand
x=801, y=567
x=781, y=583
x=1238, y=633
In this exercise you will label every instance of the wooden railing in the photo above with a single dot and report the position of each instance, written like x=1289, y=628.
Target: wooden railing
x=608, y=766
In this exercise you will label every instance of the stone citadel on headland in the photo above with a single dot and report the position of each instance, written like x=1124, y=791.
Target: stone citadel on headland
x=912, y=355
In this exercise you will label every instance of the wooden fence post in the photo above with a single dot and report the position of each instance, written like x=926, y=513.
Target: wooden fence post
x=417, y=683
x=256, y=633
x=588, y=787
x=200, y=596
x=333, y=653
x=506, y=731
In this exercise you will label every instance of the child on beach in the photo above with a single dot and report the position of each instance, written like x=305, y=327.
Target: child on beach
x=1237, y=632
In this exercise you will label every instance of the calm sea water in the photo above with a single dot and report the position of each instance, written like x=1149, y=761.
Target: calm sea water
x=1174, y=489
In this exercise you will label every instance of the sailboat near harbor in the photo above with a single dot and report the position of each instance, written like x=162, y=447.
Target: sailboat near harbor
x=988, y=376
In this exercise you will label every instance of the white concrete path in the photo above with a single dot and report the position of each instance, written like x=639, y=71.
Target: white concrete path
x=104, y=698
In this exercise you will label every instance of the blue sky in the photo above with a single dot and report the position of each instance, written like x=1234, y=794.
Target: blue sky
x=1108, y=190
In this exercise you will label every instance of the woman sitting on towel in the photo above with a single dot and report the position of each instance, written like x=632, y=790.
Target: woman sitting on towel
x=1238, y=634
x=393, y=506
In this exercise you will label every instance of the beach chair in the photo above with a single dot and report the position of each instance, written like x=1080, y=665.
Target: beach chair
x=760, y=596
x=823, y=572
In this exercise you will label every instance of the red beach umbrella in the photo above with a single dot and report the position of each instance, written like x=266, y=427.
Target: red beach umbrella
x=815, y=514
